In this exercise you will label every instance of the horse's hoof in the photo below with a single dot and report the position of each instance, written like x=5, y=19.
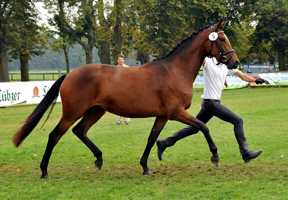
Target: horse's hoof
x=98, y=164
x=45, y=176
x=215, y=160
x=147, y=172
x=216, y=164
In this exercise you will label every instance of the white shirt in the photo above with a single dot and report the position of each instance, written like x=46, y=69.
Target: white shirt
x=124, y=65
x=214, y=78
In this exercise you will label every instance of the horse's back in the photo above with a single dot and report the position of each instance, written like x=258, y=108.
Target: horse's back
x=127, y=91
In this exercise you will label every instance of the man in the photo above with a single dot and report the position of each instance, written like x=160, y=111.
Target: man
x=120, y=60
x=214, y=78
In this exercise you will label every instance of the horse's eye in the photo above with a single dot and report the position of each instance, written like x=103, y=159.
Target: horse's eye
x=222, y=40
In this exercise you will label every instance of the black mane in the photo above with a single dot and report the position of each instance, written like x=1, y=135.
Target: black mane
x=183, y=41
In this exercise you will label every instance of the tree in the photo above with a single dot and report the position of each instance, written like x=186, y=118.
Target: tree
x=105, y=32
x=273, y=26
x=32, y=41
x=241, y=42
x=135, y=17
x=20, y=36
x=61, y=45
x=161, y=24
x=61, y=38
x=81, y=25
x=9, y=35
x=117, y=28
x=165, y=25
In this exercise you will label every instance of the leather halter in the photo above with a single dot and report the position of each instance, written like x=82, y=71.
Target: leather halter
x=222, y=58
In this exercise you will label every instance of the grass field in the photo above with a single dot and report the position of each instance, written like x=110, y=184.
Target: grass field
x=185, y=171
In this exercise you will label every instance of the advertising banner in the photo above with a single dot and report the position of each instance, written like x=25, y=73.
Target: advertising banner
x=258, y=68
x=24, y=92
x=12, y=93
x=279, y=79
x=275, y=79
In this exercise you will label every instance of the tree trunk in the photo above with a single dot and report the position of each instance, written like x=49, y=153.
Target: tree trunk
x=4, y=73
x=281, y=58
x=103, y=42
x=104, y=52
x=89, y=55
x=117, y=30
x=272, y=59
x=66, y=59
x=248, y=60
x=260, y=60
x=24, y=68
x=90, y=44
x=144, y=58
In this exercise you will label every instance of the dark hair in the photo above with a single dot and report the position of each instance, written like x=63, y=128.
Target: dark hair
x=120, y=55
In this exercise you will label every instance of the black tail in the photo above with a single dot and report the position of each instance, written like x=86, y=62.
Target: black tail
x=39, y=111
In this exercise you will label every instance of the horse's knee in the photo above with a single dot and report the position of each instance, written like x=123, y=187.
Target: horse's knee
x=78, y=131
x=53, y=138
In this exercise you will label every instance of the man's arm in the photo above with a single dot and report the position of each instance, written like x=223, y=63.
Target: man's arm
x=245, y=77
x=250, y=79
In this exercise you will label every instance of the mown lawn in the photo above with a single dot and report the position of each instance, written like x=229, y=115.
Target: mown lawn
x=185, y=171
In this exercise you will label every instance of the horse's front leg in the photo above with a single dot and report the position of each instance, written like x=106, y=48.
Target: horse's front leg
x=157, y=128
x=186, y=118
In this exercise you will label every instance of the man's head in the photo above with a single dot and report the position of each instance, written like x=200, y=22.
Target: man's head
x=120, y=59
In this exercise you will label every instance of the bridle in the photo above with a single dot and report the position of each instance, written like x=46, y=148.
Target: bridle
x=222, y=58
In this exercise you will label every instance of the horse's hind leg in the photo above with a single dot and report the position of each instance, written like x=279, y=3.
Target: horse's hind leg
x=90, y=118
x=157, y=128
x=54, y=137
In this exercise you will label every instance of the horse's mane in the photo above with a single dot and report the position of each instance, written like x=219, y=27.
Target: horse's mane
x=183, y=41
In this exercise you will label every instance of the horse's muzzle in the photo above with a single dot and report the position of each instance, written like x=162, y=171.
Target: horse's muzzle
x=236, y=64
x=233, y=64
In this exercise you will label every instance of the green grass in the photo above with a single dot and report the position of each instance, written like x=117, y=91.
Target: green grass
x=185, y=172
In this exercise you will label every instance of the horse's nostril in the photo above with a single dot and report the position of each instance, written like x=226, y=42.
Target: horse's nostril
x=237, y=63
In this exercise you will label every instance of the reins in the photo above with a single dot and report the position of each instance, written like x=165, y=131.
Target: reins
x=222, y=58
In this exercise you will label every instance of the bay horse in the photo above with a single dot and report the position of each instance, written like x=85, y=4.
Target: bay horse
x=162, y=88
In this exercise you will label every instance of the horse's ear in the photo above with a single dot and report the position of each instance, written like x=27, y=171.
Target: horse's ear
x=220, y=25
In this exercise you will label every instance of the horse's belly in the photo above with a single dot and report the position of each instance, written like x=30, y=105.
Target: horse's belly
x=135, y=110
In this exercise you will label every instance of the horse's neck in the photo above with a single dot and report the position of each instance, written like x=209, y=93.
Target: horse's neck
x=189, y=57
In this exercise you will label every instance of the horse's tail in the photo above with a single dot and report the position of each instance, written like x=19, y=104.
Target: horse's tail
x=39, y=111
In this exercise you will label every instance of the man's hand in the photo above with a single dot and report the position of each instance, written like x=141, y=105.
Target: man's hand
x=260, y=81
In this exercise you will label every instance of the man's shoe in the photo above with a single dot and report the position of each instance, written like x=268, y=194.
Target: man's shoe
x=161, y=147
x=247, y=157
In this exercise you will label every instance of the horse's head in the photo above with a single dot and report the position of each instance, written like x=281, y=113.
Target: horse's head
x=220, y=47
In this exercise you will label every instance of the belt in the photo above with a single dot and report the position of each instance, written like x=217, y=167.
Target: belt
x=211, y=100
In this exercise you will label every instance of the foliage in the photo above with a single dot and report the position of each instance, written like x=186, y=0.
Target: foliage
x=184, y=173
x=272, y=25
x=23, y=32
x=153, y=28
x=273, y=19
x=20, y=35
x=80, y=25
x=241, y=42
x=165, y=25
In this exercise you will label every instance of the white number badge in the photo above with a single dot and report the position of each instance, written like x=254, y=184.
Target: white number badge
x=213, y=36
